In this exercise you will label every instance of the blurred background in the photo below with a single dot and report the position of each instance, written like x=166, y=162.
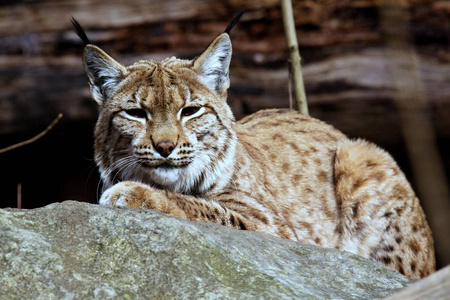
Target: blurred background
x=347, y=67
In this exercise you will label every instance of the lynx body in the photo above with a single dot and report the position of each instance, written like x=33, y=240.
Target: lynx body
x=167, y=140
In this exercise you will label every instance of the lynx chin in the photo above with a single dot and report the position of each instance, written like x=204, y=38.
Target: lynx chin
x=166, y=139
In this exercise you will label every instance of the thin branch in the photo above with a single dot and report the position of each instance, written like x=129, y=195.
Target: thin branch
x=34, y=138
x=19, y=195
x=291, y=103
x=295, y=59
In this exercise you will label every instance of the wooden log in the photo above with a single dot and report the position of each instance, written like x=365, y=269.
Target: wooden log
x=34, y=90
x=43, y=27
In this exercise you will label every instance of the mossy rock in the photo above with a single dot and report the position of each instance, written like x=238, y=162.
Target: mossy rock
x=74, y=250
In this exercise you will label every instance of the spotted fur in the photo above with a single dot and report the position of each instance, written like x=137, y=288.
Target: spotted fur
x=167, y=140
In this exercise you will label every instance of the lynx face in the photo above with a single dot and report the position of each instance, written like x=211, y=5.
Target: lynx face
x=164, y=123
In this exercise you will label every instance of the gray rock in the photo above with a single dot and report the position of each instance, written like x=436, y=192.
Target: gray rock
x=75, y=250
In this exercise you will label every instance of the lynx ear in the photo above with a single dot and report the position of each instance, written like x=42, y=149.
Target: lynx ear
x=212, y=65
x=104, y=73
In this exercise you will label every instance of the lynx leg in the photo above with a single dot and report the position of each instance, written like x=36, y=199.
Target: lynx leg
x=380, y=216
x=138, y=195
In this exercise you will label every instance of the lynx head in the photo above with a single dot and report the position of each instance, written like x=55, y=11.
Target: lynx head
x=165, y=123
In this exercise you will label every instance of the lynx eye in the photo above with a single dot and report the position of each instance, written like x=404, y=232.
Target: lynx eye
x=137, y=113
x=190, y=110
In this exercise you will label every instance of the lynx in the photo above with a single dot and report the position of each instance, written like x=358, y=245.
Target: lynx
x=166, y=139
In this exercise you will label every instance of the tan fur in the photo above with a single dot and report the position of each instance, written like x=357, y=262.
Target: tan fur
x=275, y=171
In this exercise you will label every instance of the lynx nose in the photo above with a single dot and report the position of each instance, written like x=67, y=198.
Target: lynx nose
x=165, y=148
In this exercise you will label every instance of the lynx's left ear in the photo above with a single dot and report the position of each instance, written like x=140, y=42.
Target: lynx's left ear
x=213, y=64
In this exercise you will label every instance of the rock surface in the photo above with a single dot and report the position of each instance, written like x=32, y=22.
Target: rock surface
x=74, y=250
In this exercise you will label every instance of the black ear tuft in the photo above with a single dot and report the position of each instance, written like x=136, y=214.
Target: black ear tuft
x=80, y=31
x=234, y=21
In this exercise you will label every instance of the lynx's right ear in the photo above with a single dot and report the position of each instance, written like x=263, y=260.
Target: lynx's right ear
x=103, y=71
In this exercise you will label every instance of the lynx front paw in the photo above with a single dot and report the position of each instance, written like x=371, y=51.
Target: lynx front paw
x=137, y=195
x=126, y=194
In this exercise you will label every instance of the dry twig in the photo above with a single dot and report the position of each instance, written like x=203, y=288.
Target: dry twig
x=295, y=59
x=19, y=195
x=34, y=138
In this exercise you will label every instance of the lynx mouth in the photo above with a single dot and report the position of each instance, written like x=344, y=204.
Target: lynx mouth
x=168, y=165
x=165, y=165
